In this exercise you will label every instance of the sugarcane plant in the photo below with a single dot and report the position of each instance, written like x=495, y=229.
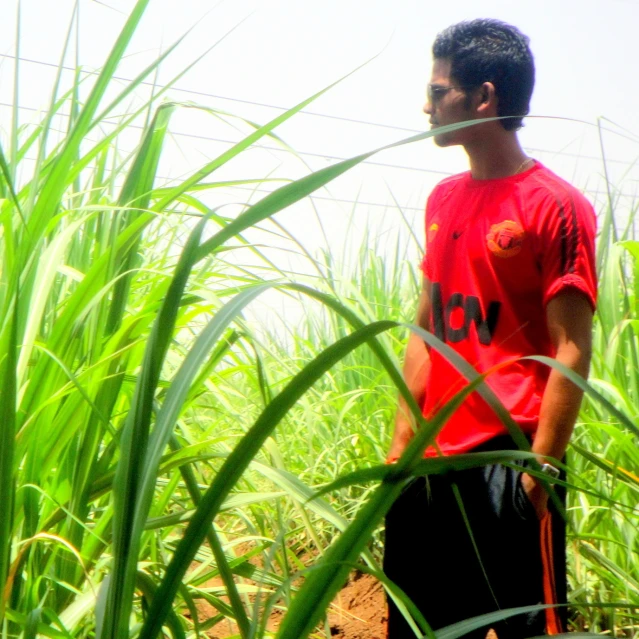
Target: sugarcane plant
x=123, y=357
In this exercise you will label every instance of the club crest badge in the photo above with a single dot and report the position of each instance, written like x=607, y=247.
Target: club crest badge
x=505, y=239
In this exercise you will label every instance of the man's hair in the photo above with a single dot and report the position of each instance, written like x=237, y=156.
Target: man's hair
x=487, y=50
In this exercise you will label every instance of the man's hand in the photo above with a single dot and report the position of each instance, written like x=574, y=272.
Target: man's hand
x=536, y=494
x=401, y=437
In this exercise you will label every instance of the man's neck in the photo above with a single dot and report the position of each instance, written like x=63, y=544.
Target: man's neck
x=497, y=156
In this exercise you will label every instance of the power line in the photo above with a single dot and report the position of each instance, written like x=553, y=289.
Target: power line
x=168, y=180
x=304, y=112
x=319, y=197
x=593, y=192
x=220, y=97
x=325, y=156
x=267, y=148
x=578, y=156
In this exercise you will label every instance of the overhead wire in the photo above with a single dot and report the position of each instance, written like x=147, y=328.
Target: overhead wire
x=220, y=97
x=393, y=127
x=336, y=157
x=266, y=147
x=387, y=205
x=323, y=156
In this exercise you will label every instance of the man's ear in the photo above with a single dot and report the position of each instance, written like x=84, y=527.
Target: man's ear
x=487, y=106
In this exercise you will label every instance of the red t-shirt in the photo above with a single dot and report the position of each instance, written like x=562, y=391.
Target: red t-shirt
x=496, y=252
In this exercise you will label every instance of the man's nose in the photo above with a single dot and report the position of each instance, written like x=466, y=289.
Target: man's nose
x=428, y=107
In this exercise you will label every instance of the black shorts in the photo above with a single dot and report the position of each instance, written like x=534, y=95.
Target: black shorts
x=430, y=555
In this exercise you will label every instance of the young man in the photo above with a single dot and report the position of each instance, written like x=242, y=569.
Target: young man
x=509, y=272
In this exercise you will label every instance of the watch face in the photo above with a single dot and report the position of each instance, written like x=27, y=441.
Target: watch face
x=548, y=469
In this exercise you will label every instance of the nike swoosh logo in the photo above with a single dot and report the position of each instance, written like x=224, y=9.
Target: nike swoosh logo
x=457, y=234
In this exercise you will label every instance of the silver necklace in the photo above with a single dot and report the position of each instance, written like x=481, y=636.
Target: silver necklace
x=520, y=168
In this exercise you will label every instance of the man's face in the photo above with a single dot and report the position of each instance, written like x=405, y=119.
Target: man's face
x=447, y=105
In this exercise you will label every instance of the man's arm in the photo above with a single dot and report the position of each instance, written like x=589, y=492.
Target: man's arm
x=416, y=369
x=569, y=319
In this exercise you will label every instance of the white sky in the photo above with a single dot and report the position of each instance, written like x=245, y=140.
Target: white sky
x=285, y=50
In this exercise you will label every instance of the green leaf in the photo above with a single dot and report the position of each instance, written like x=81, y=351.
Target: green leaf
x=235, y=465
x=8, y=401
x=133, y=454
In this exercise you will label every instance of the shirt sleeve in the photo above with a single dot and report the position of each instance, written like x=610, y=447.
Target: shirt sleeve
x=565, y=232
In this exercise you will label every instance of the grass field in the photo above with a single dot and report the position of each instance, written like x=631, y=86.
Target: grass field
x=152, y=441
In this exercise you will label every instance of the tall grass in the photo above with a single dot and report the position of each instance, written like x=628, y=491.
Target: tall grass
x=604, y=453
x=151, y=443
x=96, y=371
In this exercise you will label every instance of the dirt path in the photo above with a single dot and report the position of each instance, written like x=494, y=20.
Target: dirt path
x=358, y=612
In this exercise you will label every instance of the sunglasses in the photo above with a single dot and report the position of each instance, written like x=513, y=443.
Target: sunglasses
x=436, y=92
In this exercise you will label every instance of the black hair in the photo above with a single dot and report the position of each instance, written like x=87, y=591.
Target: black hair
x=487, y=50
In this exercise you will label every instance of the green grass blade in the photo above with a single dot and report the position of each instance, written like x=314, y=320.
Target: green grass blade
x=57, y=180
x=91, y=286
x=33, y=621
x=8, y=399
x=48, y=263
x=43, y=629
x=154, y=67
x=177, y=393
x=51, y=111
x=235, y=465
x=7, y=185
x=149, y=588
x=171, y=409
x=580, y=382
x=484, y=390
x=236, y=149
x=16, y=97
x=136, y=194
x=463, y=627
x=134, y=443
x=226, y=575
x=429, y=466
x=294, y=192
x=324, y=582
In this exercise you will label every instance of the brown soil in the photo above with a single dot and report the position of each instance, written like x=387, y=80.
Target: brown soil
x=358, y=612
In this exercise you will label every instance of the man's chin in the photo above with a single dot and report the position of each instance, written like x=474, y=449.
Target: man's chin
x=443, y=140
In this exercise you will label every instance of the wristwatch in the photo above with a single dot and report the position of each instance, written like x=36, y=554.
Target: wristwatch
x=550, y=470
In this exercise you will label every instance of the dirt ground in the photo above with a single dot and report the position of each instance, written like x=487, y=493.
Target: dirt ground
x=358, y=612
